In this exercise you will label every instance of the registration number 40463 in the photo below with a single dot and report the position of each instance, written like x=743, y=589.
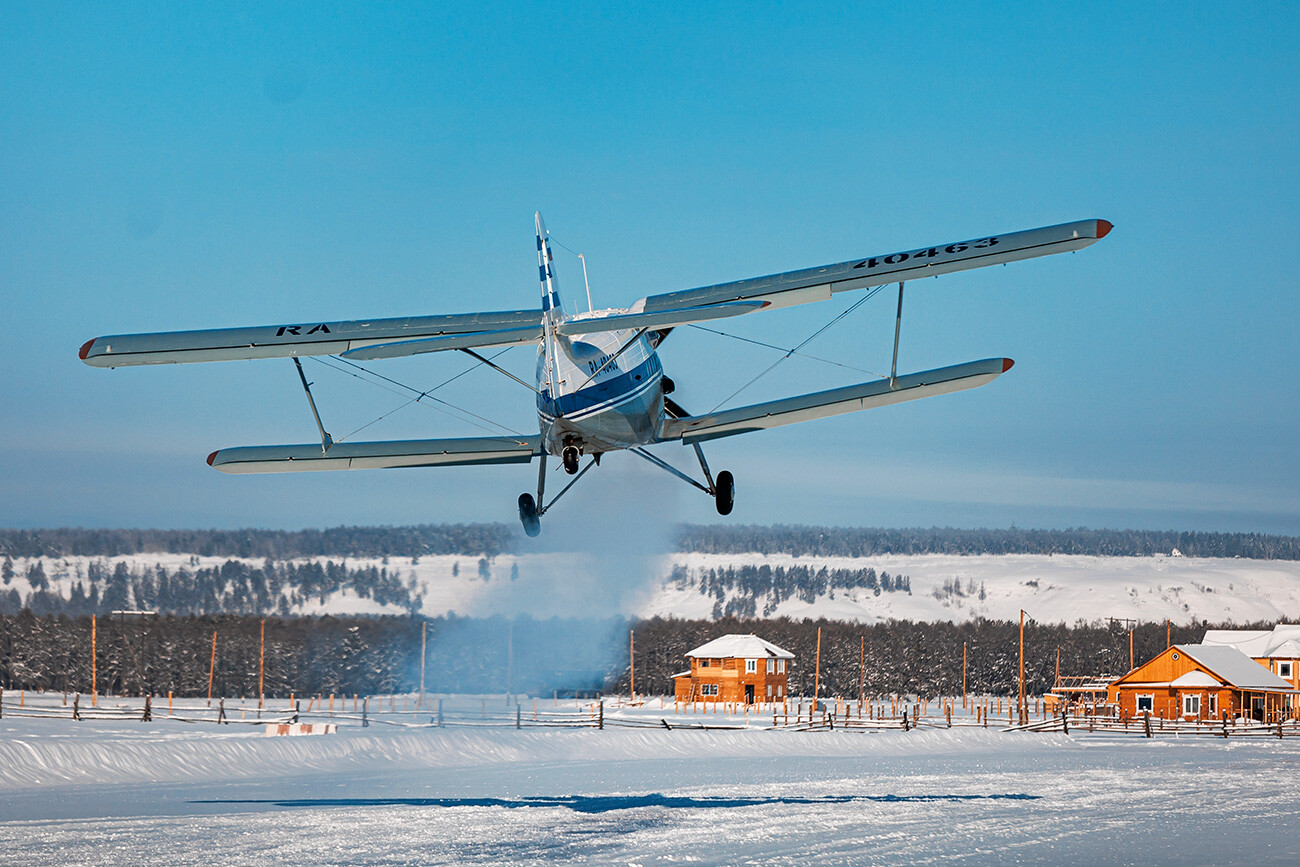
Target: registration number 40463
x=930, y=252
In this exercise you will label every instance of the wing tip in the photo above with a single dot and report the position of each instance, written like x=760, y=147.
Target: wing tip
x=1007, y=364
x=85, y=348
x=1103, y=228
x=212, y=457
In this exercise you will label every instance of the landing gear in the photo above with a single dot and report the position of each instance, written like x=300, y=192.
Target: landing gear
x=722, y=489
x=569, y=457
x=528, y=515
x=724, y=493
x=530, y=509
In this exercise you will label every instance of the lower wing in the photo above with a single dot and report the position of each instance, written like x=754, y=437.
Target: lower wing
x=821, y=404
x=378, y=455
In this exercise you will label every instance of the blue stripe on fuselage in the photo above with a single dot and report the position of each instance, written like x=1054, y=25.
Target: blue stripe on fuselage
x=601, y=392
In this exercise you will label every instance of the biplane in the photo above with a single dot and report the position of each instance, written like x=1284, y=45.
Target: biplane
x=599, y=384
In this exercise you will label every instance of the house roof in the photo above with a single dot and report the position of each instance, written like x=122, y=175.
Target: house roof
x=1235, y=667
x=735, y=646
x=1282, y=640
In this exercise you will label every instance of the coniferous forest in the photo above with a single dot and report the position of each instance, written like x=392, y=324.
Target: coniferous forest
x=45, y=639
x=379, y=655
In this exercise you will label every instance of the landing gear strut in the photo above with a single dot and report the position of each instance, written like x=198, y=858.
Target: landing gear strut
x=723, y=490
x=530, y=509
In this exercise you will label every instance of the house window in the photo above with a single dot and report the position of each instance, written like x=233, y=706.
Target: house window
x=704, y=663
x=780, y=690
x=771, y=666
x=1214, y=704
x=1146, y=703
x=780, y=666
x=751, y=666
x=708, y=689
x=769, y=690
x=1284, y=669
x=1191, y=705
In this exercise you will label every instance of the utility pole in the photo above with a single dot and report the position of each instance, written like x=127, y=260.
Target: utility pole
x=963, y=675
x=94, y=669
x=1131, y=624
x=261, y=667
x=212, y=666
x=817, y=675
x=424, y=640
x=631, y=656
x=862, y=671
x=1168, y=643
x=1022, y=667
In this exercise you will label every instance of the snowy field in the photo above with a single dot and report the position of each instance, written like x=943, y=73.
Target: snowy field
x=1063, y=588
x=119, y=792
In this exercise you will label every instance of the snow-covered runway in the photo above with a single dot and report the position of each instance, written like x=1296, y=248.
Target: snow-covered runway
x=164, y=792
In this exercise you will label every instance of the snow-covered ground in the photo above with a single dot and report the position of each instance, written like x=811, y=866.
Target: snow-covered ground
x=1054, y=588
x=167, y=792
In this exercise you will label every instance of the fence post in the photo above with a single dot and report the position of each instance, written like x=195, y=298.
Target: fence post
x=600, y=724
x=148, y=709
x=904, y=719
x=221, y=711
x=365, y=713
x=1146, y=723
x=439, y=713
x=76, y=706
x=518, y=715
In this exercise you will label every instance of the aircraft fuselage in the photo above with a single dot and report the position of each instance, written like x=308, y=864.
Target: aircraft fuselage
x=595, y=397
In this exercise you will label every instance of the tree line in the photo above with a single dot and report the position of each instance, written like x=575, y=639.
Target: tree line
x=233, y=587
x=804, y=541
x=772, y=585
x=488, y=540
x=379, y=655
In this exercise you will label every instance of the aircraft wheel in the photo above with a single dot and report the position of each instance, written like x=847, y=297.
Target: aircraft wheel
x=528, y=515
x=569, y=456
x=724, y=496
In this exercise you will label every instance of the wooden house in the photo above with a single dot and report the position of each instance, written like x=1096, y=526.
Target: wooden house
x=1277, y=649
x=735, y=668
x=1201, y=682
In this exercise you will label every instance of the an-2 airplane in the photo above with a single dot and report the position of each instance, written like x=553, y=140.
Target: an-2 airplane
x=599, y=384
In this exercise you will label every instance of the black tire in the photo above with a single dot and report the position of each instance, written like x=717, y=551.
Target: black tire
x=569, y=457
x=528, y=515
x=724, y=496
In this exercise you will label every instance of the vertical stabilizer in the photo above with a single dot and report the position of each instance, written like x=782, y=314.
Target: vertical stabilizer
x=546, y=272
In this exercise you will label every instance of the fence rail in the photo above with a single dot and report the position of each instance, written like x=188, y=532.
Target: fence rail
x=804, y=717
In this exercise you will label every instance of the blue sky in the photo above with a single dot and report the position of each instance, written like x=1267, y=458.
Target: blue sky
x=178, y=166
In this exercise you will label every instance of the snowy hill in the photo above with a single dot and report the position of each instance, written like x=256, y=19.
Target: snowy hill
x=925, y=587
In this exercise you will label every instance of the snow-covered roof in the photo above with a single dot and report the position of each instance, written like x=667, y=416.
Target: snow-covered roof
x=1235, y=667
x=1195, y=679
x=1282, y=640
x=736, y=646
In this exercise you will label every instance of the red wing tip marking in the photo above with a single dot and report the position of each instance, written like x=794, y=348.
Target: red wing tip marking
x=1103, y=228
x=85, y=348
x=212, y=457
x=1006, y=365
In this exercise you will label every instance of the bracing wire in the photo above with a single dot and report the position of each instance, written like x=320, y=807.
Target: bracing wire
x=795, y=351
x=785, y=349
x=419, y=396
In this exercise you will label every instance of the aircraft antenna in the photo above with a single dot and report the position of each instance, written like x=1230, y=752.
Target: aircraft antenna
x=584, y=280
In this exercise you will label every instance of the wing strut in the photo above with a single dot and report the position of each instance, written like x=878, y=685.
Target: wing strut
x=898, y=326
x=325, y=439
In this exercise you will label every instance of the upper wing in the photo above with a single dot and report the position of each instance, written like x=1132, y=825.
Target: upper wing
x=850, y=398
x=608, y=320
x=817, y=284
x=379, y=455
x=285, y=341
